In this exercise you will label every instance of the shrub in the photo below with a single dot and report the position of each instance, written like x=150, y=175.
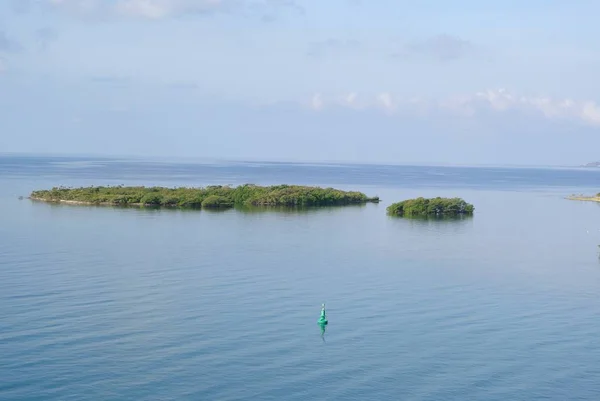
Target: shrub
x=215, y=201
x=431, y=207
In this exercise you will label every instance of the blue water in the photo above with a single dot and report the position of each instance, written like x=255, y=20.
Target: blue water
x=118, y=304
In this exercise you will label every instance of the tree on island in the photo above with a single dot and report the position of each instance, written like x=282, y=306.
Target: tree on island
x=215, y=196
x=422, y=207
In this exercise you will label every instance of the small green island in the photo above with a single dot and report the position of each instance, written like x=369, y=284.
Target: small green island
x=432, y=207
x=210, y=197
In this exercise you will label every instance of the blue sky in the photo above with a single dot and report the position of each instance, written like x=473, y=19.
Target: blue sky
x=461, y=82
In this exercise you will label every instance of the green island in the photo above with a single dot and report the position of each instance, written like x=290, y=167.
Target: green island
x=210, y=197
x=593, y=198
x=432, y=207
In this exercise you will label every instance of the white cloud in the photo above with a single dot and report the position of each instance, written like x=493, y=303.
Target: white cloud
x=386, y=102
x=459, y=105
x=498, y=101
x=316, y=103
x=501, y=100
x=350, y=98
x=591, y=112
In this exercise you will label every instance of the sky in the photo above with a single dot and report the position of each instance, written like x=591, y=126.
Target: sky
x=370, y=81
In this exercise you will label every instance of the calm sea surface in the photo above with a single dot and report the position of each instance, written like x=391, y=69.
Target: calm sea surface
x=102, y=303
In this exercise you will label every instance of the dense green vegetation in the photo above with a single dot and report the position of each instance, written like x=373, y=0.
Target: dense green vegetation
x=421, y=207
x=208, y=197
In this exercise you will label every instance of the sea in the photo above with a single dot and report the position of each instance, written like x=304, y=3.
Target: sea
x=102, y=303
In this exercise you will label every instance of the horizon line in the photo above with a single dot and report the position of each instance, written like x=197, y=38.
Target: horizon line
x=205, y=159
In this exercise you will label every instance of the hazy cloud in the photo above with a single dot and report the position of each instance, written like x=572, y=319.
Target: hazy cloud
x=270, y=9
x=331, y=47
x=189, y=86
x=439, y=48
x=110, y=80
x=386, y=101
x=156, y=9
x=4, y=42
x=383, y=101
x=20, y=6
x=45, y=36
x=316, y=103
x=502, y=100
x=498, y=101
x=82, y=8
x=159, y=9
x=7, y=44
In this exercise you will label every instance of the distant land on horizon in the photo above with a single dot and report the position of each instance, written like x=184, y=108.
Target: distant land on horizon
x=592, y=164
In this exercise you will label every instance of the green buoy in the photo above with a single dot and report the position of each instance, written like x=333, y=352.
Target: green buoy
x=323, y=319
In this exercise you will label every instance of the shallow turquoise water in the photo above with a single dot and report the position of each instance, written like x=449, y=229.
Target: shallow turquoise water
x=113, y=304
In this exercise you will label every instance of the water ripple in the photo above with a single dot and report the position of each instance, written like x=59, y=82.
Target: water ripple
x=118, y=304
